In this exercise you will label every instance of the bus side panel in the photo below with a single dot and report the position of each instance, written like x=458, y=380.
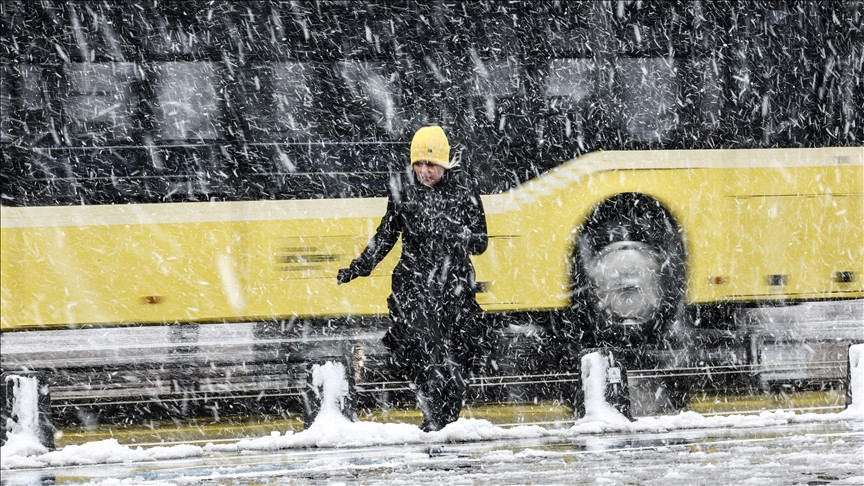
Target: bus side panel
x=191, y=262
x=732, y=252
x=777, y=229
x=132, y=273
x=293, y=267
x=523, y=267
x=797, y=241
x=547, y=219
x=11, y=277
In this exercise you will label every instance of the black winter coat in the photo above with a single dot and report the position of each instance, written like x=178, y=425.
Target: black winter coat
x=432, y=305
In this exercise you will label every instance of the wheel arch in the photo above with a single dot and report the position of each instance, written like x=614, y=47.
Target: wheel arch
x=601, y=210
x=659, y=228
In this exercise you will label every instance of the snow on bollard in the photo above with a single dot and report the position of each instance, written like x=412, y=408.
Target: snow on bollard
x=331, y=396
x=855, y=380
x=27, y=427
x=597, y=375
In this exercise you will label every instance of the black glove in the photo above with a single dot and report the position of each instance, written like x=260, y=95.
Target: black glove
x=346, y=275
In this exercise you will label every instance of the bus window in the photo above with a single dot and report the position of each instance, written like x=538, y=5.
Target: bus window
x=498, y=118
x=710, y=99
x=494, y=80
x=568, y=88
x=276, y=101
x=26, y=129
x=29, y=105
x=90, y=32
x=648, y=91
x=291, y=93
x=99, y=102
x=5, y=105
x=256, y=28
x=570, y=27
x=568, y=80
x=374, y=91
x=187, y=103
x=188, y=115
x=175, y=29
x=645, y=29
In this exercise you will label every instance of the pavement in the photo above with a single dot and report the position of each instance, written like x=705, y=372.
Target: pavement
x=549, y=414
x=811, y=453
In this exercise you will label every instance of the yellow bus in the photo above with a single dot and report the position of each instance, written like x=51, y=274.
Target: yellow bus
x=182, y=180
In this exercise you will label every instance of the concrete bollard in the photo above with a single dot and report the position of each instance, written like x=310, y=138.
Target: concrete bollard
x=27, y=408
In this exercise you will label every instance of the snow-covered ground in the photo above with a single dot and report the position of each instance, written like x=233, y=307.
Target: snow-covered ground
x=799, y=453
x=824, y=445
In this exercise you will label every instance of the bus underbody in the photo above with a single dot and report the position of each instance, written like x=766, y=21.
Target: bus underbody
x=122, y=374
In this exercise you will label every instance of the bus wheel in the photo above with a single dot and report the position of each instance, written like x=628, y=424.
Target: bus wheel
x=628, y=269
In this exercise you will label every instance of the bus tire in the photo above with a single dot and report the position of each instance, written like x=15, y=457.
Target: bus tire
x=628, y=274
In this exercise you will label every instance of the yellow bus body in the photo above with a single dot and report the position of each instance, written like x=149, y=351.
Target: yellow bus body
x=747, y=217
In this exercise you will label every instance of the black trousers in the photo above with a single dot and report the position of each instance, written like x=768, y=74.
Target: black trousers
x=427, y=347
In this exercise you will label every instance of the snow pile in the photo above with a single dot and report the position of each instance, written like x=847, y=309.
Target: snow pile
x=332, y=430
x=343, y=433
x=594, y=369
x=856, y=379
x=329, y=378
x=22, y=435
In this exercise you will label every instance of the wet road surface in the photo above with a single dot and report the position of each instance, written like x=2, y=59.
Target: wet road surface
x=814, y=453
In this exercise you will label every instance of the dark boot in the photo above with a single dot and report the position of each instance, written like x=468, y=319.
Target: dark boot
x=440, y=396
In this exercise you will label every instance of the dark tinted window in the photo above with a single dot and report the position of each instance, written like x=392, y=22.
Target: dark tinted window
x=99, y=101
x=649, y=97
x=187, y=101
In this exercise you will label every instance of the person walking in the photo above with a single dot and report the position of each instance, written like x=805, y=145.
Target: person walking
x=437, y=337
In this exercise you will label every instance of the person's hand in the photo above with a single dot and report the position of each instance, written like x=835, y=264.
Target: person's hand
x=346, y=275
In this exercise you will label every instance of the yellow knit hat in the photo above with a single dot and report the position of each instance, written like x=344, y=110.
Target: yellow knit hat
x=430, y=144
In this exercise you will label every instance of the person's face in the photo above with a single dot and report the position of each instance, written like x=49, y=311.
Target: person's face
x=428, y=173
